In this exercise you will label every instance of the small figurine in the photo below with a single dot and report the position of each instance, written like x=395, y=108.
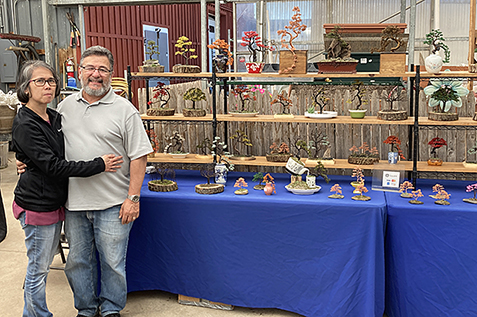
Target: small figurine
x=258, y=177
x=336, y=189
x=405, y=186
x=435, y=189
x=416, y=194
x=361, y=190
x=442, y=197
x=471, y=188
x=358, y=173
x=240, y=183
x=269, y=184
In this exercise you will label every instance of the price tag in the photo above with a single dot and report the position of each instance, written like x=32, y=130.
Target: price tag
x=390, y=179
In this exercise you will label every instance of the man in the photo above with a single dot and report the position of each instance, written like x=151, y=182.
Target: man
x=101, y=208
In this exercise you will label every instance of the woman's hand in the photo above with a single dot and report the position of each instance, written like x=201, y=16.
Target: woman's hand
x=112, y=162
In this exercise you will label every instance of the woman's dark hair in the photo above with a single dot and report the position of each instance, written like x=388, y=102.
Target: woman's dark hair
x=24, y=77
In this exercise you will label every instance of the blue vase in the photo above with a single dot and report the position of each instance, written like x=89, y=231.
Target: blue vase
x=393, y=157
x=220, y=174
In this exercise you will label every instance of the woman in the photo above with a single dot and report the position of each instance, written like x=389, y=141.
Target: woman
x=42, y=189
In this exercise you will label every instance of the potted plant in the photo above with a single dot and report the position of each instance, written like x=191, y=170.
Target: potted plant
x=471, y=151
x=253, y=42
x=443, y=94
x=162, y=184
x=363, y=155
x=471, y=188
x=240, y=139
x=359, y=91
x=320, y=101
x=160, y=98
x=320, y=149
x=395, y=151
x=435, y=144
x=223, y=58
x=393, y=61
x=220, y=153
x=174, y=147
x=240, y=183
x=258, y=177
x=396, y=94
x=194, y=95
x=415, y=195
x=434, y=61
x=441, y=197
x=404, y=187
x=183, y=45
x=336, y=189
x=202, y=147
x=286, y=104
x=292, y=61
x=361, y=190
x=151, y=65
x=295, y=166
x=209, y=188
x=278, y=153
x=246, y=96
x=269, y=185
x=339, y=58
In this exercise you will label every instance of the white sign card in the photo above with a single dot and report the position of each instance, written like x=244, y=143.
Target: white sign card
x=390, y=179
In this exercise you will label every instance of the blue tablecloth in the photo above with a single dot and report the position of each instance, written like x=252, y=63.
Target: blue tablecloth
x=431, y=254
x=308, y=254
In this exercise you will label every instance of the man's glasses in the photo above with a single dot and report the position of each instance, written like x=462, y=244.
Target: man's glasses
x=40, y=82
x=102, y=70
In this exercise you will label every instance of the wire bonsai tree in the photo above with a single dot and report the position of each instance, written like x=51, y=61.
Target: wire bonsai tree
x=204, y=145
x=338, y=49
x=361, y=190
x=441, y=197
x=160, y=99
x=220, y=153
x=208, y=171
x=320, y=146
x=301, y=146
x=359, y=91
x=240, y=138
x=436, y=39
x=469, y=189
x=336, y=189
x=183, y=44
x=159, y=183
x=278, y=153
x=176, y=141
x=435, y=189
x=436, y=143
x=320, y=171
x=415, y=195
x=258, y=177
x=394, y=143
x=404, y=187
x=194, y=95
x=284, y=101
x=224, y=57
x=363, y=155
x=246, y=98
x=472, y=151
x=151, y=49
x=240, y=183
x=396, y=94
x=254, y=44
x=153, y=139
x=358, y=173
x=391, y=34
x=291, y=32
x=443, y=94
x=320, y=100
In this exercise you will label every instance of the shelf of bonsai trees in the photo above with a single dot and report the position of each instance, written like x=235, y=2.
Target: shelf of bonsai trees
x=176, y=117
x=317, y=75
x=190, y=158
x=140, y=75
x=303, y=119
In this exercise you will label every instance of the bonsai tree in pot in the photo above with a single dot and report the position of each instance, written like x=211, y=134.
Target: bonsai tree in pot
x=174, y=147
x=151, y=65
x=159, y=102
x=434, y=61
x=240, y=183
x=241, y=140
x=396, y=94
x=320, y=101
x=435, y=144
x=289, y=59
x=223, y=58
x=336, y=189
x=359, y=94
x=443, y=94
x=253, y=42
x=162, y=185
x=278, y=153
x=183, y=48
x=208, y=171
x=363, y=155
x=286, y=104
x=339, y=55
x=194, y=95
x=395, y=151
x=471, y=188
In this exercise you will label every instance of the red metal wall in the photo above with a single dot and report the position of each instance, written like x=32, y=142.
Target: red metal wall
x=119, y=28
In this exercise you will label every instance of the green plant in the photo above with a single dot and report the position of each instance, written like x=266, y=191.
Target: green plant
x=320, y=171
x=151, y=49
x=436, y=39
x=445, y=93
x=183, y=44
x=194, y=95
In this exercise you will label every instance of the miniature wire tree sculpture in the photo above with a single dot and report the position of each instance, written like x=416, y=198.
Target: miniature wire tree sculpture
x=435, y=144
x=436, y=39
x=278, y=153
x=240, y=183
x=301, y=145
x=338, y=48
x=270, y=181
x=363, y=155
x=183, y=44
x=319, y=145
x=404, y=187
x=219, y=150
x=442, y=197
x=394, y=142
x=159, y=183
x=160, y=95
x=471, y=188
x=415, y=195
x=258, y=177
x=207, y=171
x=361, y=190
x=320, y=171
x=336, y=189
x=320, y=100
x=358, y=173
x=163, y=171
x=284, y=101
x=391, y=34
x=435, y=189
x=396, y=94
x=240, y=137
x=472, y=151
x=254, y=44
x=204, y=145
x=152, y=49
x=194, y=95
x=153, y=139
x=359, y=90
x=445, y=93
x=245, y=96
x=224, y=57
x=176, y=141
x=292, y=31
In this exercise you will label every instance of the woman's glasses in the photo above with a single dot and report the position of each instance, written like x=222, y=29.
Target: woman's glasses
x=40, y=82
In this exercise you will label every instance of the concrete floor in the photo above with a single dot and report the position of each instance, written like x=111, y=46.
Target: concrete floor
x=13, y=262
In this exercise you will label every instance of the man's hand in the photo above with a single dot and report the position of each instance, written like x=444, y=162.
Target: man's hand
x=21, y=167
x=129, y=211
x=112, y=162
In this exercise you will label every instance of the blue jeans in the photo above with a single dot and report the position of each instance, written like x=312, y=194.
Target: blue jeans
x=101, y=231
x=41, y=243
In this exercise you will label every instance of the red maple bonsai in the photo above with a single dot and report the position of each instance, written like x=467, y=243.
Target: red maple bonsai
x=436, y=143
x=253, y=42
x=394, y=142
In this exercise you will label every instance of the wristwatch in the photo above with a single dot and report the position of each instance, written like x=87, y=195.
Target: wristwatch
x=134, y=198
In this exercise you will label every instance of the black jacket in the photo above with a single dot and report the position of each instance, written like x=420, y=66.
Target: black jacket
x=44, y=185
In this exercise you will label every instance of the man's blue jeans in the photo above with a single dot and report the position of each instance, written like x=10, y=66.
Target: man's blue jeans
x=41, y=243
x=88, y=232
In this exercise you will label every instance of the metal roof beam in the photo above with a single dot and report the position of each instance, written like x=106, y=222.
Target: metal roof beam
x=118, y=2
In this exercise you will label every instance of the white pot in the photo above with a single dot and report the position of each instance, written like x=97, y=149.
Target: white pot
x=295, y=168
x=433, y=63
x=220, y=173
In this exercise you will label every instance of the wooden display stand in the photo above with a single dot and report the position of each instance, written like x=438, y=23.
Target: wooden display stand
x=286, y=60
x=393, y=63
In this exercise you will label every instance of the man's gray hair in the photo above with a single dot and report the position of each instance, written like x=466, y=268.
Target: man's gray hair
x=98, y=51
